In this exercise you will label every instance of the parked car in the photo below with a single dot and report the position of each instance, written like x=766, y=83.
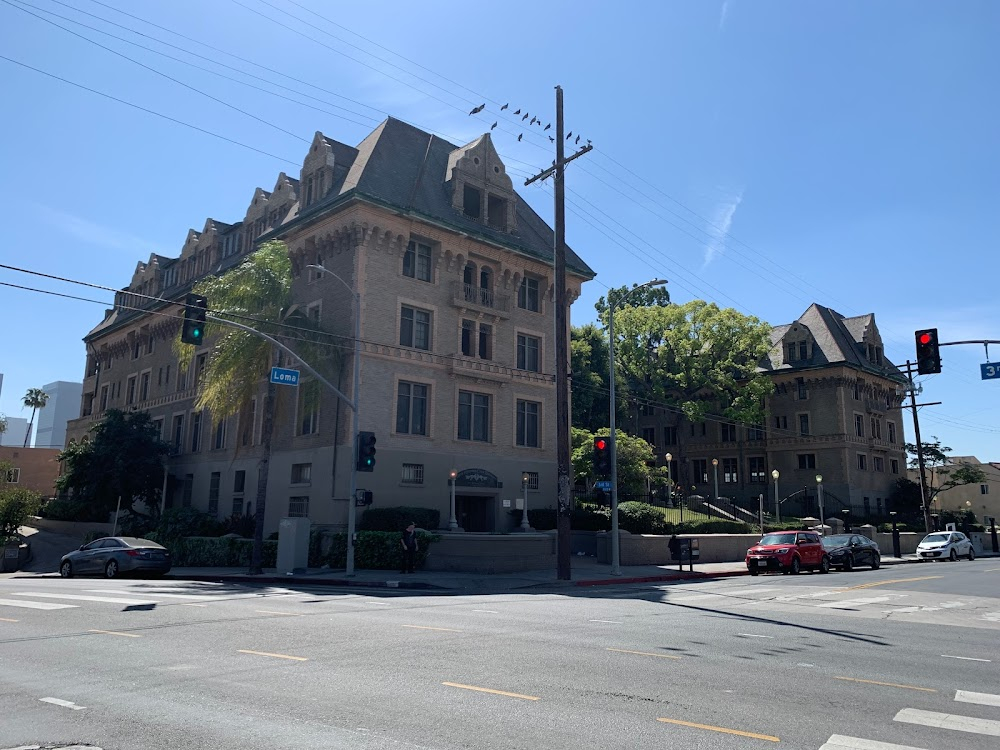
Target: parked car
x=848, y=551
x=946, y=545
x=114, y=556
x=789, y=552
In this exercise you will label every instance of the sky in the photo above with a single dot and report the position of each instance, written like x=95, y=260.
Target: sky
x=761, y=154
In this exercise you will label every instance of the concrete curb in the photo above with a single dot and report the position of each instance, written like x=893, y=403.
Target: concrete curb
x=306, y=580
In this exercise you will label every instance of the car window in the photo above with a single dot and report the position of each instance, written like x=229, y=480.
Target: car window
x=856, y=539
x=111, y=544
x=936, y=538
x=778, y=539
x=93, y=545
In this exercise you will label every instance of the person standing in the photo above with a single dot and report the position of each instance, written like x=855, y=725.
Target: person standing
x=408, y=540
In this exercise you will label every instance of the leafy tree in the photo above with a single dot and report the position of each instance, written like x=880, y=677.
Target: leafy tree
x=937, y=461
x=905, y=496
x=123, y=457
x=589, y=365
x=259, y=287
x=635, y=459
x=650, y=296
x=36, y=398
x=17, y=504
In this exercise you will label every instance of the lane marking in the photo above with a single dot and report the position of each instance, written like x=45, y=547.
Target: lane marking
x=427, y=627
x=724, y=730
x=36, y=605
x=276, y=656
x=644, y=653
x=949, y=721
x=609, y=622
x=754, y=635
x=887, y=684
x=163, y=595
x=488, y=611
x=490, y=690
x=991, y=570
x=82, y=598
x=8, y=619
x=61, y=702
x=115, y=632
x=890, y=581
x=384, y=604
x=963, y=658
x=840, y=742
x=983, y=699
x=190, y=604
x=848, y=603
x=274, y=612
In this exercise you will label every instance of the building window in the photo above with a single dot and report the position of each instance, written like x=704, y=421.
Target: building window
x=473, y=416
x=878, y=463
x=527, y=353
x=891, y=427
x=149, y=345
x=213, y=494
x=472, y=202
x=220, y=435
x=699, y=470
x=130, y=391
x=298, y=506
x=468, y=336
x=527, y=423
x=13, y=475
x=136, y=347
x=862, y=462
x=532, y=482
x=868, y=506
x=247, y=420
x=807, y=460
x=411, y=408
x=485, y=341
x=314, y=313
x=527, y=294
x=417, y=261
x=181, y=379
x=984, y=489
x=803, y=350
x=803, y=424
x=800, y=388
x=649, y=435
x=188, y=490
x=159, y=376
x=878, y=428
x=301, y=473
x=857, y=390
x=780, y=423
x=178, y=432
x=415, y=328
x=104, y=397
x=496, y=212
x=199, y=367
x=729, y=473
x=196, y=432
x=239, y=486
x=878, y=506
x=670, y=436
x=308, y=408
x=158, y=425
x=413, y=474
x=791, y=352
x=758, y=470
x=859, y=425
x=728, y=432
x=894, y=465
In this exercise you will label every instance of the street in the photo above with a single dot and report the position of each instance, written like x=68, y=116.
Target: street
x=905, y=655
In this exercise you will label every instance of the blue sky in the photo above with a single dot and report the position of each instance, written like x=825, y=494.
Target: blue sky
x=763, y=155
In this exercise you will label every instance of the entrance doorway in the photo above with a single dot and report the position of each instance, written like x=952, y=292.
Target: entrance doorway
x=475, y=512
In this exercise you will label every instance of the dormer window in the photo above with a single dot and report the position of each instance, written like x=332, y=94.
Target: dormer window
x=472, y=202
x=309, y=190
x=497, y=213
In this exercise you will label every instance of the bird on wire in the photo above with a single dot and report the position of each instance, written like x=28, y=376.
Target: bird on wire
x=525, y=117
x=493, y=125
x=547, y=127
x=551, y=139
x=520, y=136
x=533, y=119
x=477, y=110
x=504, y=107
x=570, y=135
x=518, y=112
x=574, y=142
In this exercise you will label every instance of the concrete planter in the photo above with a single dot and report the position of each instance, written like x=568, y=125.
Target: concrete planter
x=492, y=553
x=15, y=555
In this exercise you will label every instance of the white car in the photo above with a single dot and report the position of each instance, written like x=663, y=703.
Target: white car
x=946, y=545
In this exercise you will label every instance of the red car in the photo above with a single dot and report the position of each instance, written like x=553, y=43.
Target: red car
x=789, y=552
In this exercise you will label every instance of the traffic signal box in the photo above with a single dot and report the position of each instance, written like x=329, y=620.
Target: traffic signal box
x=602, y=456
x=366, y=451
x=928, y=354
x=195, y=309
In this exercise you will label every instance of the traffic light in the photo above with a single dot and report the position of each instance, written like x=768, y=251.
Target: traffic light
x=928, y=355
x=195, y=307
x=602, y=456
x=366, y=451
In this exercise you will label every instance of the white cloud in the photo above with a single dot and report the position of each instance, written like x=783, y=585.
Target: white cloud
x=723, y=15
x=96, y=234
x=722, y=220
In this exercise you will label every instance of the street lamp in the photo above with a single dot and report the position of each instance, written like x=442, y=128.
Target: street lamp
x=819, y=492
x=525, y=526
x=452, y=521
x=616, y=569
x=777, y=506
x=670, y=479
x=352, y=511
x=715, y=472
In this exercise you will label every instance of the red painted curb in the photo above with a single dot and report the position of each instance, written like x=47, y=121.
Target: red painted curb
x=660, y=578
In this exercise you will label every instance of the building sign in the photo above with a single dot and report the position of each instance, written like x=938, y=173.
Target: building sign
x=477, y=478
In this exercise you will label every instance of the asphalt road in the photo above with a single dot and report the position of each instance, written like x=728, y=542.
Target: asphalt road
x=905, y=655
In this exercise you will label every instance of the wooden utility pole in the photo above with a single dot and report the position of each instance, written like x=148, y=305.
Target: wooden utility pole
x=925, y=503
x=563, y=447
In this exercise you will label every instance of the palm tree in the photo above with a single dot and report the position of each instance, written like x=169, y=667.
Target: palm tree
x=36, y=398
x=260, y=288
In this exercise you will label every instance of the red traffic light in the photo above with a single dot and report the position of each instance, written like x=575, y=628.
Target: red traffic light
x=600, y=444
x=925, y=338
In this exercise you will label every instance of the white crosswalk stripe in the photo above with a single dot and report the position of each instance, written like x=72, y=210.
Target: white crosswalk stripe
x=983, y=699
x=842, y=742
x=971, y=724
x=85, y=598
x=35, y=605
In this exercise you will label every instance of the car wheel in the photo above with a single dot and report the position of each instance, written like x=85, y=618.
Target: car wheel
x=824, y=565
x=953, y=555
x=972, y=554
x=66, y=570
x=111, y=569
x=876, y=562
x=848, y=564
x=753, y=572
x=795, y=567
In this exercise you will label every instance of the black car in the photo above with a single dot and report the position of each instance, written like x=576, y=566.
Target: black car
x=848, y=551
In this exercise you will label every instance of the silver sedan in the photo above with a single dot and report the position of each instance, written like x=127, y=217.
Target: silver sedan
x=115, y=555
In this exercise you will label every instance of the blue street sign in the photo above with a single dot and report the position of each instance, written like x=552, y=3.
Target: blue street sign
x=281, y=376
x=990, y=371
x=604, y=484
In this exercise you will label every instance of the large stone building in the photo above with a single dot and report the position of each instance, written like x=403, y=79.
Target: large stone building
x=834, y=413
x=454, y=272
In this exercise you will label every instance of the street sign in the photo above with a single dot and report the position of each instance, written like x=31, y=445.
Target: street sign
x=990, y=371
x=283, y=376
x=603, y=484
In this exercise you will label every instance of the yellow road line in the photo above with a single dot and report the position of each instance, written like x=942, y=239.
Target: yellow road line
x=273, y=612
x=425, y=627
x=7, y=619
x=767, y=737
x=276, y=656
x=490, y=690
x=894, y=580
x=643, y=653
x=887, y=684
x=115, y=632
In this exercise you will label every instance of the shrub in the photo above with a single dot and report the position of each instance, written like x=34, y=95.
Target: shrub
x=374, y=550
x=641, y=518
x=210, y=552
x=68, y=509
x=714, y=526
x=544, y=519
x=16, y=506
x=177, y=523
x=396, y=519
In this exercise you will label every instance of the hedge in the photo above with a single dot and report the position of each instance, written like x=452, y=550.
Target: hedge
x=544, y=519
x=398, y=518
x=218, y=552
x=374, y=550
x=641, y=518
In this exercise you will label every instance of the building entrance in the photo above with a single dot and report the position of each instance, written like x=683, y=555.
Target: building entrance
x=475, y=512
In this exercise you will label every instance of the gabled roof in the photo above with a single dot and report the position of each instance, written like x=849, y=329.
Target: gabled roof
x=406, y=168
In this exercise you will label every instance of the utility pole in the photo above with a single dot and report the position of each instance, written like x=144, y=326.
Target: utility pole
x=924, y=494
x=563, y=448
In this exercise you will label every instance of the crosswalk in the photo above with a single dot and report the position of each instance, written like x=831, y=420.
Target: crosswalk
x=61, y=600
x=967, y=725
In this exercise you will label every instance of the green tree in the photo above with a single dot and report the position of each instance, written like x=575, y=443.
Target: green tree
x=636, y=469
x=905, y=496
x=17, y=505
x=939, y=465
x=589, y=366
x=122, y=457
x=36, y=398
x=260, y=288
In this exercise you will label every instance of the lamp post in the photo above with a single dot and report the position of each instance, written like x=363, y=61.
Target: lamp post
x=452, y=521
x=352, y=510
x=616, y=569
x=525, y=526
x=670, y=479
x=895, y=535
x=715, y=473
x=819, y=493
x=777, y=505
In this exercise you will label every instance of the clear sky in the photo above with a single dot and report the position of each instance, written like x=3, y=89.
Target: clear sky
x=763, y=155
